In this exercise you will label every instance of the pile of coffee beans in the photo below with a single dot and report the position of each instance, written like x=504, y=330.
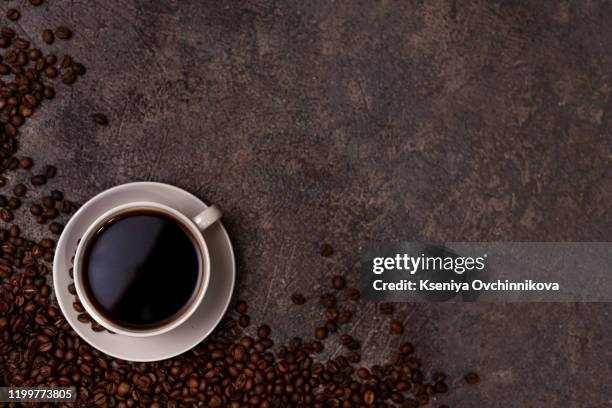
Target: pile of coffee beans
x=229, y=369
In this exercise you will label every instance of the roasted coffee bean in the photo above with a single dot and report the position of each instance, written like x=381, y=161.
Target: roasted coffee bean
x=14, y=231
x=438, y=376
x=14, y=203
x=338, y=282
x=48, y=36
x=49, y=92
x=63, y=33
x=78, y=69
x=244, y=320
x=397, y=327
x=50, y=72
x=66, y=206
x=84, y=318
x=353, y=294
x=331, y=313
x=13, y=14
x=331, y=326
x=7, y=32
x=41, y=219
x=50, y=171
x=36, y=2
x=326, y=250
x=65, y=61
x=100, y=119
x=298, y=299
x=242, y=307
x=328, y=300
x=472, y=378
x=48, y=256
x=6, y=215
x=47, y=243
x=69, y=77
x=408, y=348
x=51, y=213
x=321, y=333
x=38, y=180
x=20, y=190
x=344, y=317
x=56, y=228
x=57, y=195
x=3, y=201
x=263, y=331
x=48, y=202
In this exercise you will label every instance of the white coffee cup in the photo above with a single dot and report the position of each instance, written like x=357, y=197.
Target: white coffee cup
x=194, y=226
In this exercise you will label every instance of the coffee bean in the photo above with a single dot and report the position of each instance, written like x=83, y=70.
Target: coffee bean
x=368, y=397
x=344, y=317
x=3, y=201
x=49, y=92
x=408, y=348
x=84, y=318
x=326, y=250
x=20, y=190
x=7, y=32
x=57, y=195
x=244, y=320
x=397, y=327
x=21, y=43
x=298, y=299
x=50, y=171
x=338, y=282
x=100, y=119
x=13, y=14
x=48, y=37
x=63, y=33
x=472, y=378
x=6, y=215
x=263, y=331
x=38, y=180
x=353, y=294
x=56, y=228
x=51, y=213
x=41, y=219
x=66, y=61
x=66, y=206
x=14, y=231
x=47, y=243
x=78, y=69
x=69, y=77
x=14, y=203
x=48, y=202
x=242, y=307
x=331, y=313
x=321, y=333
x=48, y=256
x=36, y=2
x=328, y=300
x=331, y=326
x=50, y=72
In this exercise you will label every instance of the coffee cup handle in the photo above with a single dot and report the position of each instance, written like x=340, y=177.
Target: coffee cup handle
x=207, y=217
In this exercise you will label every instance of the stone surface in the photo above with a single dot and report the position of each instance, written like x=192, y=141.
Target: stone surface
x=346, y=122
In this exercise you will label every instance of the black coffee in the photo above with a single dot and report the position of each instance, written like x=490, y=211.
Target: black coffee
x=141, y=269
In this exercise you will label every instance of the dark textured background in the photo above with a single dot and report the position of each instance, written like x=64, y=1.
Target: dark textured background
x=348, y=122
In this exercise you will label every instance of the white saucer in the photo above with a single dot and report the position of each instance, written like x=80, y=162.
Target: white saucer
x=188, y=334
